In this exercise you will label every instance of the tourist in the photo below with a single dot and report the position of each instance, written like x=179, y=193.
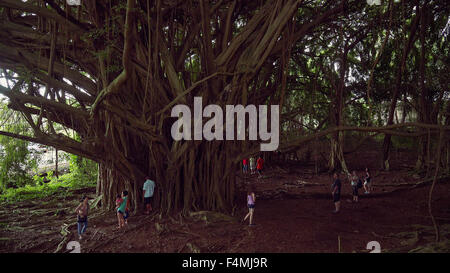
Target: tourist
x=82, y=213
x=118, y=200
x=259, y=166
x=336, y=192
x=354, y=183
x=251, y=200
x=149, y=188
x=367, y=182
x=252, y=165
x=245, y=166
x=121, y=210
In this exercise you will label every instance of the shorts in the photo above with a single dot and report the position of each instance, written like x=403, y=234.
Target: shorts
x=147, y=200
x=125, y=214
x=251, y=206
x=259, y=171
x=355, y=190
x=245, y=168
x=81, y=219
x=336, y=198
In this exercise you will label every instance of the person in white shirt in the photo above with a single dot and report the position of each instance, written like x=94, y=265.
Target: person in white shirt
x=149, y=188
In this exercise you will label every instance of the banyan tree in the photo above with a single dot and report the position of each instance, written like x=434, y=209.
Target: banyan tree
x=110, y=71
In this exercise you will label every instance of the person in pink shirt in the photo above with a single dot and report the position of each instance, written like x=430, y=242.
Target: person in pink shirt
x=251, y=200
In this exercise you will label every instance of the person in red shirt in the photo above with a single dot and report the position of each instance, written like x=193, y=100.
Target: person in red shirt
x=259, y=166
x=245, y=167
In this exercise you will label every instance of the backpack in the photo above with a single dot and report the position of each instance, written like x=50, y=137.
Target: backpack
x=359, y=184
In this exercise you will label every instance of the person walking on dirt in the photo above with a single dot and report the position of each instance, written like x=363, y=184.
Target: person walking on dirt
x=259, y=166
x=354, y=183
x=119, y=201
x=252, y=165
x=149, y=188
x=245, y=165
x=82, y=213
x=121, y=210
x=251, y=200
x=367, y=182
x=336, y=192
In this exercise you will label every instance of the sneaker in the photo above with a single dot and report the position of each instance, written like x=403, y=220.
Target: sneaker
x=79, y=237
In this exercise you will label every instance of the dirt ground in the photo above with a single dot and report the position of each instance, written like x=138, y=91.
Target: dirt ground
x=293, y=214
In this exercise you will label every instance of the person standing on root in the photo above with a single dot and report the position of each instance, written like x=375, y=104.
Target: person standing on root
x=245, y=166
x=252, y=165
x=121, y=210
x=149, y=188
x=251, y=200
x=367, y=182
x=259, y=166
x=354, y=183
x=336, y=192
x=82, y=213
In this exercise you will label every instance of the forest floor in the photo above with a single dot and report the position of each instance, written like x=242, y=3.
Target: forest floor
x=293, y=214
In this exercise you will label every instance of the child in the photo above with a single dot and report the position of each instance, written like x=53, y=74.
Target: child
x=367, y=182
x=336, y=192
x=245, y=167
x=118, y=200
x=82, y=212
x=251, y=200
x=354, y=182
x=121, y=210
x=252, y=165
x=259, y=166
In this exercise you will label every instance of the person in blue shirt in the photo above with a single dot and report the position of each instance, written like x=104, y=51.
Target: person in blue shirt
x=149, y=188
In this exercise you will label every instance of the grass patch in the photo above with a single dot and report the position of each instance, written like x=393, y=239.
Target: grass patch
x=42, y=190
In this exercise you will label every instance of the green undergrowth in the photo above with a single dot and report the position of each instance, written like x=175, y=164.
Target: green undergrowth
x=41, y=190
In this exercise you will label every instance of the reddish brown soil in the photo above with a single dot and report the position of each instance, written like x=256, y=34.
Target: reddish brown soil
x=290, y=216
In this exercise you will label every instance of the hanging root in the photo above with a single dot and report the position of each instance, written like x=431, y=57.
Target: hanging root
x=438, y=160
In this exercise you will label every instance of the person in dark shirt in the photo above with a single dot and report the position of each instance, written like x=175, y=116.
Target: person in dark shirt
x=336, y=192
